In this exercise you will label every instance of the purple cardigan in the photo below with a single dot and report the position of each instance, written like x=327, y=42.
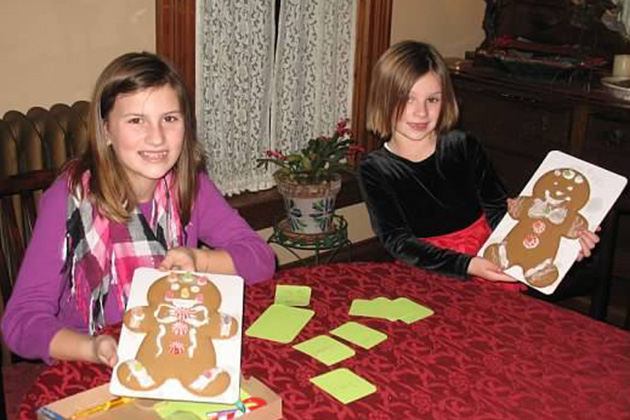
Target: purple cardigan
x=41, y=303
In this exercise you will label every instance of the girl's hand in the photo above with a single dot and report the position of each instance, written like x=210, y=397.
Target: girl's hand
x=588, y=240
x=486, y=269
x=179, y=258
x=104, y=347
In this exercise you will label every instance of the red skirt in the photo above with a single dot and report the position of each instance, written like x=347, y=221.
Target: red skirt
x=469, y=241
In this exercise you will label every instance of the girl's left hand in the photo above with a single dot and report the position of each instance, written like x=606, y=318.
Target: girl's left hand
x=588, y=240
x=180, y=258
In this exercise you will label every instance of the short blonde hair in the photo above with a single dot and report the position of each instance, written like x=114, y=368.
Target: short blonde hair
x=395, y=73
x=110, y=188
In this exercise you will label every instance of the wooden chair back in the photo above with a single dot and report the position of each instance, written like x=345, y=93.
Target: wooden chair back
x=18, y=211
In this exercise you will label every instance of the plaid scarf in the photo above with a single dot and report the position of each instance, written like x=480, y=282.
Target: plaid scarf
x=99, y=252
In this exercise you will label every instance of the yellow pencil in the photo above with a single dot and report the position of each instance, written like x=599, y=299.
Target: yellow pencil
x=107, y=405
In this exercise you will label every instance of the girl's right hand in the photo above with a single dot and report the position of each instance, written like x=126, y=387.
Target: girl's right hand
x=104, y=347
x=486, y=269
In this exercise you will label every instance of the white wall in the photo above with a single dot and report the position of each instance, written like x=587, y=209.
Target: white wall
x=452, y=26
x=53, y=50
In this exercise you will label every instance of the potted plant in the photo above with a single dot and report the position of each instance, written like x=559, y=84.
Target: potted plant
x=309, y=179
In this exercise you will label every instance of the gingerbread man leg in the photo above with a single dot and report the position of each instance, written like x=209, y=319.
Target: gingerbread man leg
x=543, y=274
x=497, y=253
x=211, y=382
x=134, y=375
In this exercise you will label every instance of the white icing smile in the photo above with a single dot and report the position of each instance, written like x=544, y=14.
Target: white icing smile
x=553, y=201
x=182, y=303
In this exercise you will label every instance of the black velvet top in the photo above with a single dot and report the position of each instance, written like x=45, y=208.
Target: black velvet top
x=442, y=194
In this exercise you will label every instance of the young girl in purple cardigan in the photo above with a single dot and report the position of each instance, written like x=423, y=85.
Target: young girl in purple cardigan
x=137, y=197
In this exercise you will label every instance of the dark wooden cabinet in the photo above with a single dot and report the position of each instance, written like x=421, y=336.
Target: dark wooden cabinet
x=520, y=120
x=516, y=129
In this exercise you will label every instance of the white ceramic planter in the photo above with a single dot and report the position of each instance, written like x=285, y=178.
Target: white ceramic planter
x=310, y=208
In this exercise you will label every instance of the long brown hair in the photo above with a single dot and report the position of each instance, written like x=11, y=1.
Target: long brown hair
x=394, y=74
x=109, y=187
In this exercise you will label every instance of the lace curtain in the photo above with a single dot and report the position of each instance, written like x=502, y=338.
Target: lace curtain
x=311, y=81
x=313, y=71
x=234, y=77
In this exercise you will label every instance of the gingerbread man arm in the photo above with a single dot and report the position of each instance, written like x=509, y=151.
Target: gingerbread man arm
x=578, y=225
x=518, y=206
x=222, y=326
x=136, y=319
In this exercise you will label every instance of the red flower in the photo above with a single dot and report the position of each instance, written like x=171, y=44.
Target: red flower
x=320, y=159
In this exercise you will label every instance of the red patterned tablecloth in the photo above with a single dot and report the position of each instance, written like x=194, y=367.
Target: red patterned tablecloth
x=487, y=353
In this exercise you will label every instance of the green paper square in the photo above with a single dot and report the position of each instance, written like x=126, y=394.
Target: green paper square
x=280, y=323
x=325, y=349
x=360, y=335
x=293, y=295
x=412, y=311
x=344, y=385
x=377, y=308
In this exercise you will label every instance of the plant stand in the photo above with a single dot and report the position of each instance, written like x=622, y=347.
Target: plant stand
x=333, y=240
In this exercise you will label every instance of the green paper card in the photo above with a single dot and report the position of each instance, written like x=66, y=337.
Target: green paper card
x=360, y=335
x=344, y=385
x=280, y=323
x=371, y=308
x=386, y=308
x=293, y=295
x=325, y=349
x=412, y=311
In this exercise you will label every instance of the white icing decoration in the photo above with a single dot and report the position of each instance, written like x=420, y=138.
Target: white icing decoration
x=226, y=325
x=556, y=172
x=205, y=378
x=543, y=209
x=579, y=179
x=158, y=339
x=193, y=341
x=139, y=372
x=175, y=286
x=136, y=317
x=195, y=289
x=568, y=174
x=503, y=255
x=570, y=187
x=543, y=265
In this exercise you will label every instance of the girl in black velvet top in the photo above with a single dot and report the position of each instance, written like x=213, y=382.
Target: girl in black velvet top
x=432, y=195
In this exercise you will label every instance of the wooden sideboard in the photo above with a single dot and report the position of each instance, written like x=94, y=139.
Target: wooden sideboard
x=519, y=120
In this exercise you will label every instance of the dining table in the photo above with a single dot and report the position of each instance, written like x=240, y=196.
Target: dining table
x=485, y=353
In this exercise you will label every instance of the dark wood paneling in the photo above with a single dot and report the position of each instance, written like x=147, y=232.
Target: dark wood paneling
x=373, y=37
x=175, y=36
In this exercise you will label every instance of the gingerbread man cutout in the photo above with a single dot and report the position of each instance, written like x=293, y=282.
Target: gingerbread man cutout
x=552, y=212
x=180, y=322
